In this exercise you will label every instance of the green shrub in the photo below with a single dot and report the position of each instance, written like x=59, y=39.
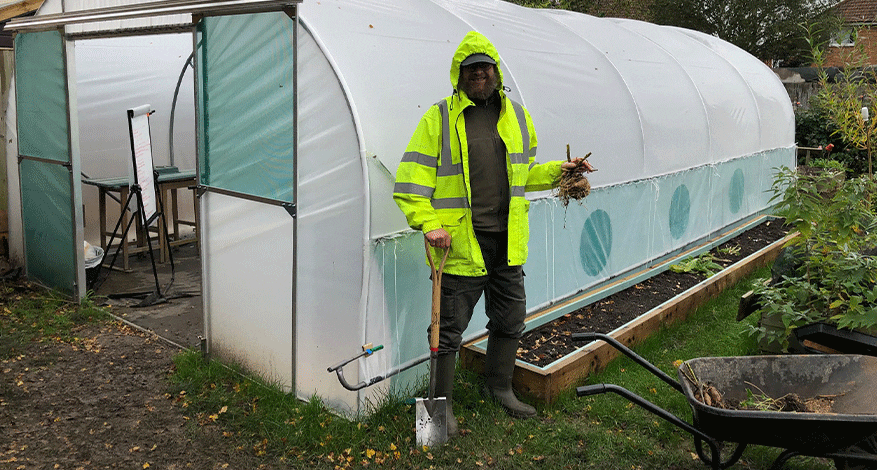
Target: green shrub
x=834, y=279
x=814, y=128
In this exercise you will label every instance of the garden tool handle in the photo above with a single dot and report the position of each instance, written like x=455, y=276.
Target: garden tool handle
x=436, y=295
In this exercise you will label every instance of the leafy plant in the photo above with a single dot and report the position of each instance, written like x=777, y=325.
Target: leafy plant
x=732, y=250
x=703, y=264
x=760, y=402
x=834, y=274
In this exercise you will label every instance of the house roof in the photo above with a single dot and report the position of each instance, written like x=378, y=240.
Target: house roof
x=11, y=9
x=858, y=11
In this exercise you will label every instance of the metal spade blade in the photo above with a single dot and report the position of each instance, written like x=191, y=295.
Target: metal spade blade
x=431, y=421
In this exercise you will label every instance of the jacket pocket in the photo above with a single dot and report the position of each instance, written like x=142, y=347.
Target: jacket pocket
x=454, y=223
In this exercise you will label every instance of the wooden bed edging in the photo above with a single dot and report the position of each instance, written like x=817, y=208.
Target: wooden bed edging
x=545, y=384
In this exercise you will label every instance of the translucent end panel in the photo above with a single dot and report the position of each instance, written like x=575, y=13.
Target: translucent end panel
x=42, y=97
x=406, y=295
x=246, y=71
x=48, y=223
x=247, y=267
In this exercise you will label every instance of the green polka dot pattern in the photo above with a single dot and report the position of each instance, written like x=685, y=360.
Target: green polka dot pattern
x=680, y=208
x=596, y=242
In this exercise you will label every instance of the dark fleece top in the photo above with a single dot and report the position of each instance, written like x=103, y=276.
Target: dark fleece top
x=488, y=175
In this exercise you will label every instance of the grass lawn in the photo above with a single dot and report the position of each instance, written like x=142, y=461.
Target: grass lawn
x=600, y=432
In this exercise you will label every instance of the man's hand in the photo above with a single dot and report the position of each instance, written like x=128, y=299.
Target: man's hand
x=439, y=238
x=579, y=165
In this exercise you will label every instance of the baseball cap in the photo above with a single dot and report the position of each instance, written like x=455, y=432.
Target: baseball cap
x=475, y=58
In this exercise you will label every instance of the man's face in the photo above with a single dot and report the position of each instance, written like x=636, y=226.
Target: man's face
x=478, y=80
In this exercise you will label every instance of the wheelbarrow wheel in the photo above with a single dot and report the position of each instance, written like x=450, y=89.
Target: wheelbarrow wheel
x=735, y=456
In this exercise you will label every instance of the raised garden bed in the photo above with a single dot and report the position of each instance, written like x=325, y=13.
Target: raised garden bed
x=548, y=363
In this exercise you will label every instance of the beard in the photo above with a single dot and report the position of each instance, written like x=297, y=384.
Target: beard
x=480, y=92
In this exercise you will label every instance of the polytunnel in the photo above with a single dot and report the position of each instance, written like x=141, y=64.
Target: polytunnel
x=302, y=116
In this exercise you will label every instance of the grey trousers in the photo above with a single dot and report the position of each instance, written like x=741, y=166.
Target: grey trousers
x=503, y=289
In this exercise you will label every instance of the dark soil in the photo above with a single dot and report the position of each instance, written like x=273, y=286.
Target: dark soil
x=550, y=342
x=103, y=402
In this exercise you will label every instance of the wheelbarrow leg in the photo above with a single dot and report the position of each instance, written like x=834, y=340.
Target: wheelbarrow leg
x=738, y=452
x=783, y=458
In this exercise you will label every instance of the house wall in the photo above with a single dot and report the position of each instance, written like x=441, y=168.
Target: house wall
x=840, y=56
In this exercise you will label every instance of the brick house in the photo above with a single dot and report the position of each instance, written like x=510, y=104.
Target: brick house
x=858, y=15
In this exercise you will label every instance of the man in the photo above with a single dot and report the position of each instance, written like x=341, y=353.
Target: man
x=462, y=182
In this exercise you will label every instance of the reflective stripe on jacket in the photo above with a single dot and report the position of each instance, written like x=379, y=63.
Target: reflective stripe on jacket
x=432, y=181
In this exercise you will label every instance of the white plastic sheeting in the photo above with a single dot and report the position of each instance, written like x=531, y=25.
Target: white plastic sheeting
x=121, y=73
x=252, y=307
x=684, y=128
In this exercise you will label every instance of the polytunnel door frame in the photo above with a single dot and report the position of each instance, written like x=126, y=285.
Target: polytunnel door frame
x=45, y=194
x=248, y=183
x=49, y=161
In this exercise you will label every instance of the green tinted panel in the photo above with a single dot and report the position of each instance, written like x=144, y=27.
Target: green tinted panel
x=246, y=83
x=48, y=224
x=41, y=96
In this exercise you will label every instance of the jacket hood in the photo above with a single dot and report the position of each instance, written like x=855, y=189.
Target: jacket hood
x=474, y=43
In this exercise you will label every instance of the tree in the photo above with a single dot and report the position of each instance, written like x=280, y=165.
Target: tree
x=767, y=29
x=633, y=9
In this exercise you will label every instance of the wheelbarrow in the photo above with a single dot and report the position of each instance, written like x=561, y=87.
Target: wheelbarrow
x=851, y=381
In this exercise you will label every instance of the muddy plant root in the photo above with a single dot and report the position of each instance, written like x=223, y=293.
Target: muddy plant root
x=573, y=185
x=757, y=400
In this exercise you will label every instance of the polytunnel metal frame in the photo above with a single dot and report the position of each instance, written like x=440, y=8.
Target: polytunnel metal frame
x=151, y=9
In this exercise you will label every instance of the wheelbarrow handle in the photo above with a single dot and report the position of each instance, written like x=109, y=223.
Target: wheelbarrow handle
x=588, y=390
x=593, y=336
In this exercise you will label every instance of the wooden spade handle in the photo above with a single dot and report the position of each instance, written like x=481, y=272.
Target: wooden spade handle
x=436, y=295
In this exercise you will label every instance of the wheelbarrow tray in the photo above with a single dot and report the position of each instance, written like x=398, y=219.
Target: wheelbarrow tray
x=851, y=379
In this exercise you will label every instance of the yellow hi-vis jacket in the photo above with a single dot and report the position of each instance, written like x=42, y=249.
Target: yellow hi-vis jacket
x=432, y=182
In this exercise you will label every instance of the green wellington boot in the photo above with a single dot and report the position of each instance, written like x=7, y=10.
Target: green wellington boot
x=444, y=387
x=499, y=365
